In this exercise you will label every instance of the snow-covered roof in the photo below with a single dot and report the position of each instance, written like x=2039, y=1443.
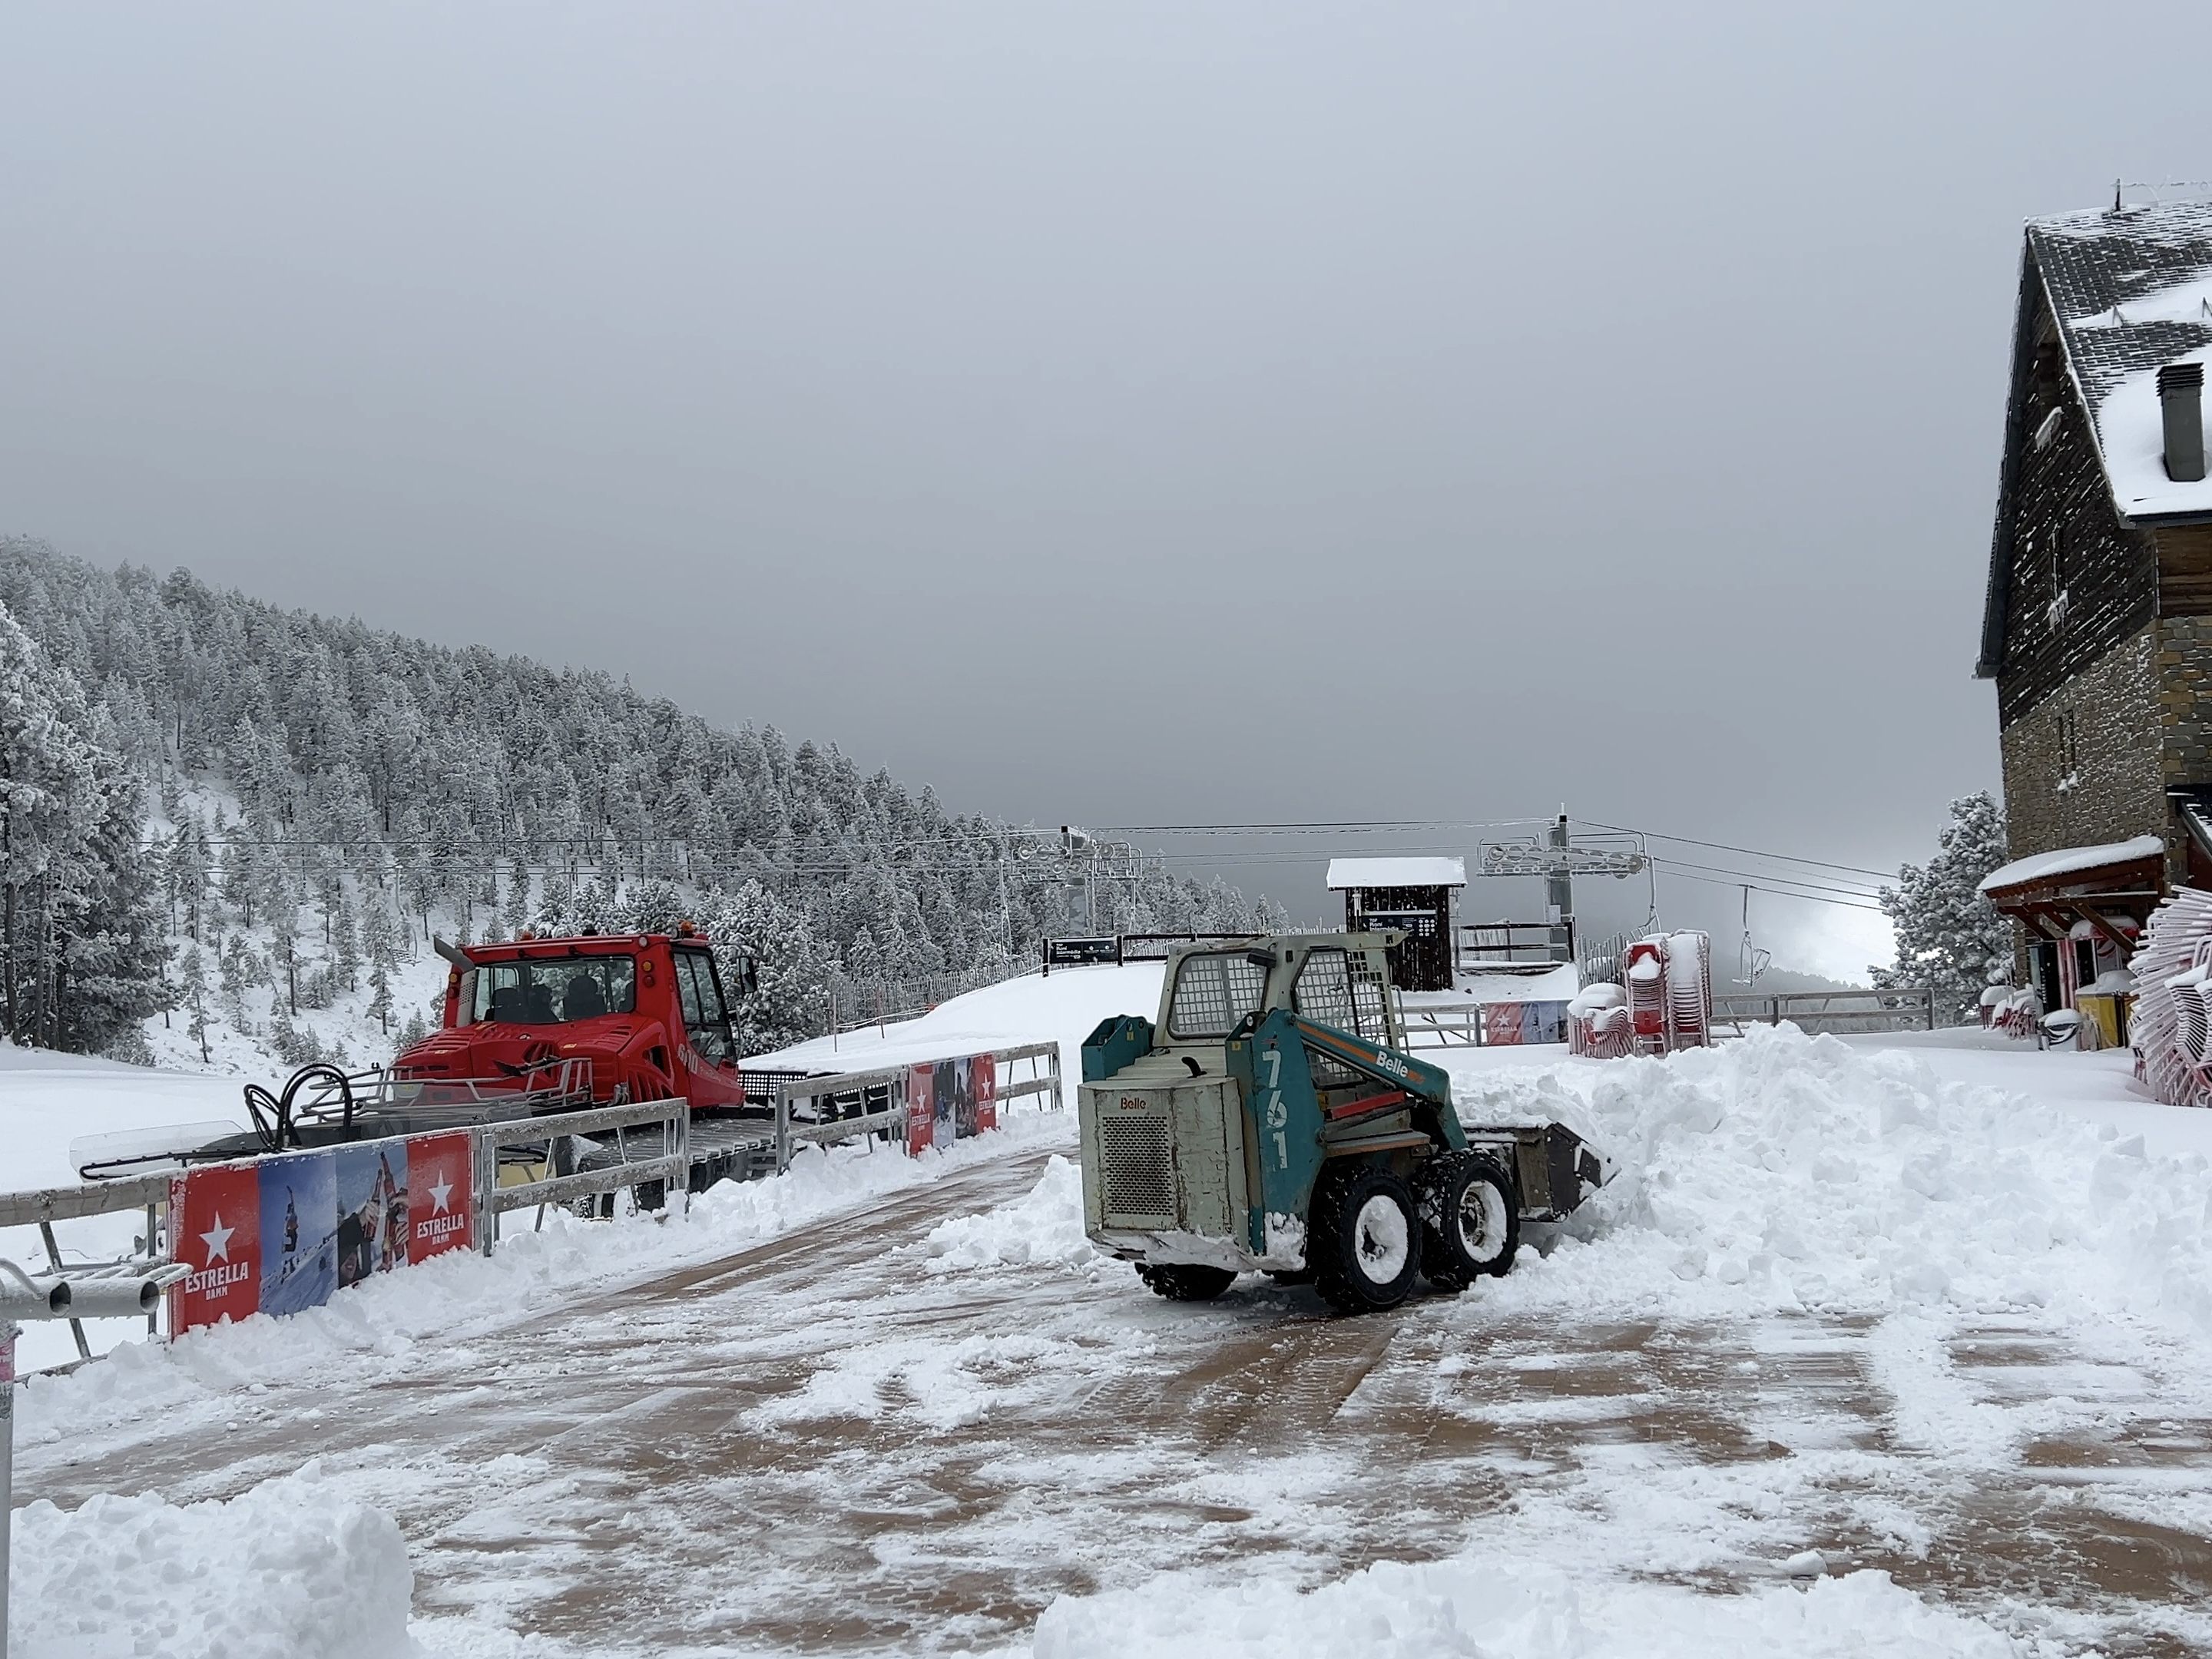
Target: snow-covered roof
x=1557, y=984
x=1556, y=981
x=2132, y=292
x=1396, y=873
x=2071, y=860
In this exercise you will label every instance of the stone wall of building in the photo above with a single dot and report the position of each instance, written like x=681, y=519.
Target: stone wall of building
x=2088, y=762
x=2185, y=697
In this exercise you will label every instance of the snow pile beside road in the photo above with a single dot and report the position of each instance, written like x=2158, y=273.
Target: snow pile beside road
x=288, y=1571
x=1477, y=1608
x=1044, y=1226
x=1783, y=1170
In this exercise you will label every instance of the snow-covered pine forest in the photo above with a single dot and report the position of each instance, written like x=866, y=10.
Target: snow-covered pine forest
x=231, y=830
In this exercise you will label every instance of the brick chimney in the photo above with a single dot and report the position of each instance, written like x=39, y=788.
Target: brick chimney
x=2181, y=398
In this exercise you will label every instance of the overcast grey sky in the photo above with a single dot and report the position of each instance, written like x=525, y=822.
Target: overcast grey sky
x=1113, y=413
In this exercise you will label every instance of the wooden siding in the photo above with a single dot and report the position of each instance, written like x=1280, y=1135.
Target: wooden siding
x=2066, y=540
x=2184, y=569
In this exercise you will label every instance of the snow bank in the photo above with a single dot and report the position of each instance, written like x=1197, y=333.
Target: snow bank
x=1479, y=1609
x=288, y=1571
x=1044, y=1226
x=1785, y=1171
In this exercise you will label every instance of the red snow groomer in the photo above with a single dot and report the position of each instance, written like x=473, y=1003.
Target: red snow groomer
x=619, y=1017
x=530, y=1028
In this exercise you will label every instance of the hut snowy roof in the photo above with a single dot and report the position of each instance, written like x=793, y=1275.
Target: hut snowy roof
x=1396, y=873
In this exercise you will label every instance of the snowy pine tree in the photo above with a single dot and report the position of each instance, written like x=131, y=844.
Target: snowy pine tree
x=1949, y=936
x=81, y=956
x=192, y=983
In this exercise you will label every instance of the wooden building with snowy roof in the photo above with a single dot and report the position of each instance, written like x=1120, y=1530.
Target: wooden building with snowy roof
x=1414, y=894
x=2096, y=627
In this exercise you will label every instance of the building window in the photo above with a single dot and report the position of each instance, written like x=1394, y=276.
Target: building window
x=2055, y=542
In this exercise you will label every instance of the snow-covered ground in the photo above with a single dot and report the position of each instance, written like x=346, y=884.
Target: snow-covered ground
x=1875, y=1346
x=47, y=1101
x=1066, y=1004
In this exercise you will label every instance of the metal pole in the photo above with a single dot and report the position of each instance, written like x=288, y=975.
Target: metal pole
x=682, y=1138
x=8, y=1332
x=153, y=1254
x=1559, y=895
x=485, y=1158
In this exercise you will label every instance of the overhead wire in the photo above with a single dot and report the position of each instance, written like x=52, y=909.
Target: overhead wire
x=1748, y=852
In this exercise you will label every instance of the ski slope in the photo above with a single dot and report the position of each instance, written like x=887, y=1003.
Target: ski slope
x=1873, y=1348
x=1064, y=1005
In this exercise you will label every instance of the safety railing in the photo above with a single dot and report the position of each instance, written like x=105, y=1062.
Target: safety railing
x=1903, y=1008
x=1513, y=944
x=1444, y=1028
x=848, y=1105
x=42, y=1207
x=663, y=1156
x=1112, y=950
x=642, y=1146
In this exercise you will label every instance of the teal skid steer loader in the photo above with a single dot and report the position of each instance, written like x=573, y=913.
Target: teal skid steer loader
x=1270, y=1120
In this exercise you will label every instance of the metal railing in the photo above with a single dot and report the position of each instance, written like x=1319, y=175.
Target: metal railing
x=848, y=1105
x=1902, y=1008
x=651, y=1147
x=1113, y=949
x=1444, y=1028
x=1516, y=943
x=321, y=1103
x=43, y=1206
x=666, y=1158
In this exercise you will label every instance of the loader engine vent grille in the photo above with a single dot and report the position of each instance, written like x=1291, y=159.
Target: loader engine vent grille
x=1137, y=1172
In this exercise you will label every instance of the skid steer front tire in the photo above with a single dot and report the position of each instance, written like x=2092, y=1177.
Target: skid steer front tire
x=1470, y=1219
x=1363, y=1239
x=1185, y=1282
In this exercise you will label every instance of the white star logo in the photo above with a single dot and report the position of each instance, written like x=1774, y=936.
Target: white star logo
x=438, y=1195
x=217, y=1241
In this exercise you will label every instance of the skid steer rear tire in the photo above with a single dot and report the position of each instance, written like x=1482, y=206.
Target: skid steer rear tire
x=1470, y=1219
x=1185, y=1282
x=1363, y=1239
